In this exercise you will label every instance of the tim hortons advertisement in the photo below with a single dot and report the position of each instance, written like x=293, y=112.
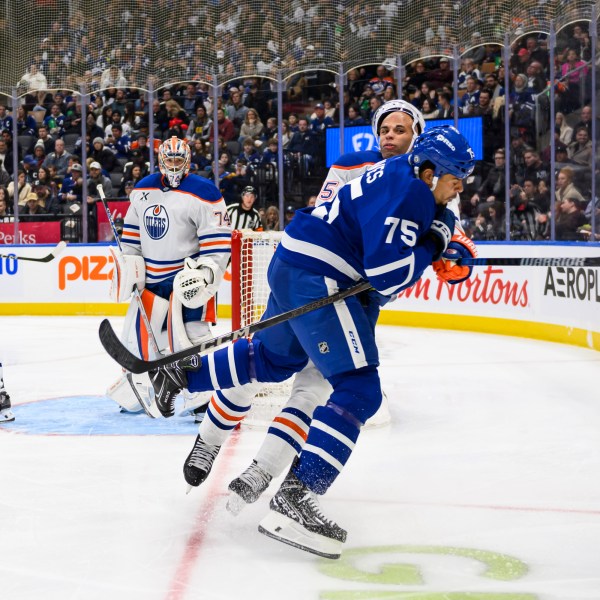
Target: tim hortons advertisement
x=561, y=295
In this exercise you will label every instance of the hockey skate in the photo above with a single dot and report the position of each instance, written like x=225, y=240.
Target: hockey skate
x=169, y=380
x=247, y=488
x=199, y=462
x=6, y=414
x=295, y=518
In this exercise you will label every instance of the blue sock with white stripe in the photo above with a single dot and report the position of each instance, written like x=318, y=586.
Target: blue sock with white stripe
x=225, y=368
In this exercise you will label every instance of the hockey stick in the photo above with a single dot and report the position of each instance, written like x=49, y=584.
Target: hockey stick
x=583, y=261
x=136, y=295
x=132, y=363
x=44, y=259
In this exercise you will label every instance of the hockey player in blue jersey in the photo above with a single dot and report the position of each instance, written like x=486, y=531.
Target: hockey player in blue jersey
x=176, y=245
x=396, y=125
x=385, y=227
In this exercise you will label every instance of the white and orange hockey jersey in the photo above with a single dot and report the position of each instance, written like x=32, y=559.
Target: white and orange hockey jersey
x=165, y=225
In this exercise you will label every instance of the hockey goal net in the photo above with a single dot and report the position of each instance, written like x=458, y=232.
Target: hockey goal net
x=251, y=253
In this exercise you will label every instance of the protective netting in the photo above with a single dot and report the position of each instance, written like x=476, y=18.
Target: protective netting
x=164, y=42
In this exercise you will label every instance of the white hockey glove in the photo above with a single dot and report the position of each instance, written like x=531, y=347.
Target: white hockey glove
x=197, y=282
x=129, y=271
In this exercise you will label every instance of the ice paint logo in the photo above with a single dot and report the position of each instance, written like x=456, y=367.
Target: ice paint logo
x=363, y=141
x=156, y=221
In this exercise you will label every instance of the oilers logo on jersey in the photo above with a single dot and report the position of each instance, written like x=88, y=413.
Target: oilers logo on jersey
x=156, y=221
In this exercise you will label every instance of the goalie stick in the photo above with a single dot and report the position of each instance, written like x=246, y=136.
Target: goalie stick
x=136, y=295
x=132, y=363
x=574, y=261
x=44, y=259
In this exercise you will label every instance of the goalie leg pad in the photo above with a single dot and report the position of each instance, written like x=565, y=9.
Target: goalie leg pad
x=135, y=335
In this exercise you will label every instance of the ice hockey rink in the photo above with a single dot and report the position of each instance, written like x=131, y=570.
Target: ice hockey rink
x=486, y=486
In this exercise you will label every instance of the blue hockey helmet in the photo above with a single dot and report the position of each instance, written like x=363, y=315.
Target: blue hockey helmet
x=447, y=149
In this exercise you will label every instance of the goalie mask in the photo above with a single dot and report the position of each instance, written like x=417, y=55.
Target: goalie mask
x=174, y=157
x=391, y=106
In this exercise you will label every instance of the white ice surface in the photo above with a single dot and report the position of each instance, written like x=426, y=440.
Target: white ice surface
x=494, y=447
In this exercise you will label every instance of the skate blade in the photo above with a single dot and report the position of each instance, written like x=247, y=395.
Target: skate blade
x=189, y=489
x=235, y=504
x=7, y=417
x=288, y=531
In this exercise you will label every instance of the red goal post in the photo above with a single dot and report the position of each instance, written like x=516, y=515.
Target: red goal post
x=251, y=253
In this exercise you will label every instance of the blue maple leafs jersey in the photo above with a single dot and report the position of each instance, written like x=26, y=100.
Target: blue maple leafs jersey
x=374, y=229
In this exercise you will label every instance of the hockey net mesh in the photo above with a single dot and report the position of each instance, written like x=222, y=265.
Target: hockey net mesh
x=252, y=252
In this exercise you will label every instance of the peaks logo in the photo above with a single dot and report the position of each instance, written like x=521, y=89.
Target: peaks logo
x=363, y=141
x=156, y=221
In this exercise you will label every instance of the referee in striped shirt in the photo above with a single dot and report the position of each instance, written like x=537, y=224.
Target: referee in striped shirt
x=243, y=215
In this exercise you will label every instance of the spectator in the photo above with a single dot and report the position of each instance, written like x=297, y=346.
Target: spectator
x=565, y=188
x=34, y=206
x=586, y=121
x=39, y=153
x=493, y=186
x=199, y=156
x=134, y=174
x=381, y=81
x=354, y=117
x=252, y=127
x=271, y=219
x=536, y=81
x=569, y=219
x=119, y=143
x=249, y=152
x=5, y=212
x=102, y=155
x=425, y=91
x=470, y=98
x=225, y=128
x=524, y=215
x=442, y=75
x=55, y=121
x=23, y=188
x=59, y=158
x=445, y=110
x=5, y=119
x=290, y=211
x=46, y=139
x=320, y=122
x=566, y=132
x=35, y=84
x=95, y=178
x=270, y=130
x=6, y=160
x=236, y=110
x=270, y=153
x=286, y=134
x=573, y=72
x=113, y=78
x=304, y=146
x=72, y=188
x=47, y=198
x=468, y=70
x=199, y=127
x=428, y=108
x=26, y=124
x=535, y=169
x=580, y=151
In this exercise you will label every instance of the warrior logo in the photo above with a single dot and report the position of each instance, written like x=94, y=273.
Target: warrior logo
x=156, y=221
x=323, y=347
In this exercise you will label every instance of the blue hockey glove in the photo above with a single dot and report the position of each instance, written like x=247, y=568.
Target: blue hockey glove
x=441, y=231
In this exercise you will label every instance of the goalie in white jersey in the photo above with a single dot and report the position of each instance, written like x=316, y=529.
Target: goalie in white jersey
x=176, y=246
x=396, y=125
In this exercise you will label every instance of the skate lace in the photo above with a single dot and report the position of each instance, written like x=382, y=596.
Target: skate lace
x=310, y=500
x=202, y=456
x=255, y=476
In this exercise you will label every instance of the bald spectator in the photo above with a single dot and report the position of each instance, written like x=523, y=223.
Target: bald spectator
x=58, y=159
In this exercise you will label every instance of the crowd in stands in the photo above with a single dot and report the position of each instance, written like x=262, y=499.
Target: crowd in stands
x=119, y=117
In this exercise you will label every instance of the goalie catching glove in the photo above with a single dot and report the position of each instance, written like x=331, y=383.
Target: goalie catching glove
x=129, y=271
x=197, y=282
x=446, y=268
